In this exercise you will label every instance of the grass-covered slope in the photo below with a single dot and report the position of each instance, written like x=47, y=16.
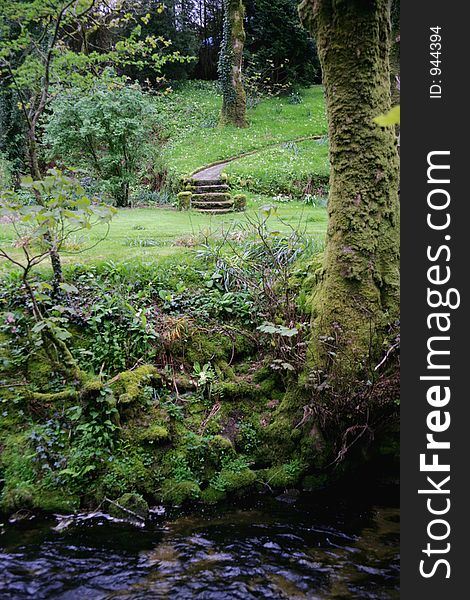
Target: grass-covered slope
x=189, y=117
x=293, y=168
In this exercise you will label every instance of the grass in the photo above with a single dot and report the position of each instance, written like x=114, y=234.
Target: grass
x=149, y=233
x=189, y=119
x=291, y=168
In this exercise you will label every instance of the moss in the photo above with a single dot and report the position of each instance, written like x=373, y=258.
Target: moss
x=132, y=470
x=232, y=481
x=203, y=347
x=232, y=390
x=39, y=371
x=357, y=294
x=177, y=492
x=184, y=200
x=269, y=386
x=284, y=476
x=212, y=346
x=230, y=65
x=220, y=442
x=53, y=397
x=212, y=495
x=224, y=370
x=154, y=434
x=131, y=501
x=32, y=497
x=92, y=387
x=239, y=202
x=55, y=501
x=129, y=385
x=17, y=467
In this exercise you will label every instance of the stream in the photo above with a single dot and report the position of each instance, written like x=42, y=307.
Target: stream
x=335, y=544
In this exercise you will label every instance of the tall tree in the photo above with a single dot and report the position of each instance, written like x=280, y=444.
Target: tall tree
x=277, y=46
x=357, y=295
x=230, y=65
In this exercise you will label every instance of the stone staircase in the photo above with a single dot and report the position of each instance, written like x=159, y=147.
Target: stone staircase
x=211, y=196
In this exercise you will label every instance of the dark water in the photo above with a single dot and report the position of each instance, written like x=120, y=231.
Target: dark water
x=340, y=544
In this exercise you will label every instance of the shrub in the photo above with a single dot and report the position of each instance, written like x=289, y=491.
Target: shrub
x=107, y=132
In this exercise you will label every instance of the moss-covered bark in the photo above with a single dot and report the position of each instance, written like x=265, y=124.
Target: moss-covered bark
x=357, y=292
x=230, y=65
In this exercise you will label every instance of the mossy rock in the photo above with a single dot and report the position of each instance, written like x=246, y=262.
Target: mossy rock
x=212, y=346
x=283, y=476
x=219, y=442
x=184, y=200
x=132, y=502
x=233, y=481
x=200, y=347
x=212, y=495
x=177, y=493
x=224, y=370
x=128, y=472
x=154, y=434
x=239, y=202
x=129, y=385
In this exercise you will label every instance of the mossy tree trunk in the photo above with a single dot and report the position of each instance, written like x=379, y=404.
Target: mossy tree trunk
x=230, y=65
x=357, y=294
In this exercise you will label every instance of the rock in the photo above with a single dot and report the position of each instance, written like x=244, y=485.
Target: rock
x=129, y=505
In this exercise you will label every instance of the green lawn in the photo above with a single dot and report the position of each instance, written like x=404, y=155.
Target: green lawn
x=190, y=119
x=148, y=233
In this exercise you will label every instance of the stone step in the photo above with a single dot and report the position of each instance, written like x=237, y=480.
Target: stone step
x=202, y=189
x=211, y=203
x=214, y=211
x=211, y=197
x=207, y=182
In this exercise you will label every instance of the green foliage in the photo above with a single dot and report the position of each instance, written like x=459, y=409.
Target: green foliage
x=5, y=173
x=120, y=331
x=103, y=131
x=286, y=475
x=12, y=140
x=249, y=437
x=278, y=48
x=38, y=50
x=205, y=377
x=129, y=468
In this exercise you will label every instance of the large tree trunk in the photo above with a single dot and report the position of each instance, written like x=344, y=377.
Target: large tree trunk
x=230, y=65
x=357, y=294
